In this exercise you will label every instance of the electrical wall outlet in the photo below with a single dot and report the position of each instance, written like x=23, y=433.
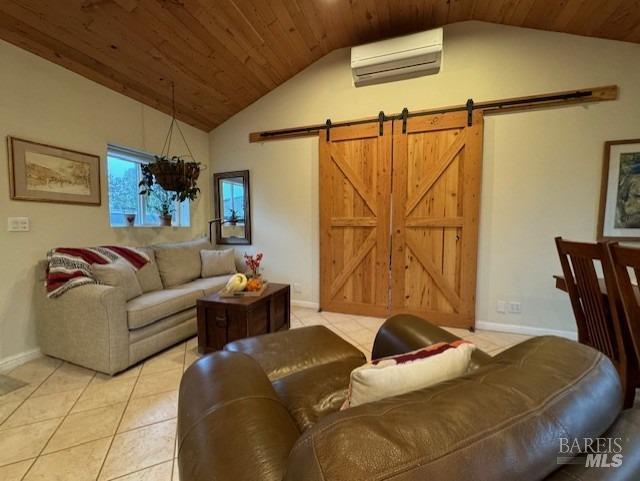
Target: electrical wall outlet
x=18, y=224
x=501, y=307
x=297, y=288
x=514, y=307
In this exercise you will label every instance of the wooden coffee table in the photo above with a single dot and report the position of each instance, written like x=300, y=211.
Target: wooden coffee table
x=226, y=319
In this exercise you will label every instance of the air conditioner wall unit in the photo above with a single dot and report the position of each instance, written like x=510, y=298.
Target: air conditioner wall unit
x=397, y=58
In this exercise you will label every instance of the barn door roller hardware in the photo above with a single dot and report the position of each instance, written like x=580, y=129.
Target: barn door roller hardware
x=556, y=99
x=381, y=119
x=469, y=112
x=328, y=127
x=405, y=116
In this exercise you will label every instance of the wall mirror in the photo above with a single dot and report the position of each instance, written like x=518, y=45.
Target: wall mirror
x=232, y=207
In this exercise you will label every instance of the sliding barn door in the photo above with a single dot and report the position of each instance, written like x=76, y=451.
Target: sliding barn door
x=355, y=190
x=436, y=192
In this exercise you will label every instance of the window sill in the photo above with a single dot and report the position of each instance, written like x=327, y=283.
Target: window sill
x=151, y=227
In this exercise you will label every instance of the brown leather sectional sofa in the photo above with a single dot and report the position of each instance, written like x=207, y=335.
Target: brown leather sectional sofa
x=267, y=409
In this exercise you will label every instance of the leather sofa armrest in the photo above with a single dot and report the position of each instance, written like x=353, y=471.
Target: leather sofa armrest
x=403, y=333
x=231, y=423
x=627, y=430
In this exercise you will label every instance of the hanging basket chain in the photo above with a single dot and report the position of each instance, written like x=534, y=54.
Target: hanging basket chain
x=172, y=173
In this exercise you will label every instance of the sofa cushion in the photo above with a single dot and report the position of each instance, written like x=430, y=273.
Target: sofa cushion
x=210, y=285
x=118, y=274
x=218, y=263
x=148, y=276
x=283, y=353
x=179, y=263
x=312, y=394
x=152, y=306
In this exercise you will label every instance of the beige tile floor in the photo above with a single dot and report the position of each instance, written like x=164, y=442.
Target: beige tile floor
x=72, y=424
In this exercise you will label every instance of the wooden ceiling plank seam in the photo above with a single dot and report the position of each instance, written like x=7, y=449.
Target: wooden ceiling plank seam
x=172, y=58
x=570, y=10
x=288, y=30
x=279, y=67
x=13, y=31
x=519, y=12
x=343, y=21
x=225, y=38
x=441, y=12
x=621, y=23
x=285, y=64
x=379, y=10
x=484, y=10
x=588, y=20
x=91, y=62
x=271, y=19
x=180, y=48
x=227, y=31
x=308, y=10
x=119, y=60
x=543, y=13
x=228, y=67
x=303, y=29
x=460, y=10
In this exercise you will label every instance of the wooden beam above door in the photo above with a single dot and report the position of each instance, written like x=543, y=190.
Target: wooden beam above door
x=507, y=105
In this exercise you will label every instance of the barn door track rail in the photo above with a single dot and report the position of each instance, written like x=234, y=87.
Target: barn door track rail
x=531, y=102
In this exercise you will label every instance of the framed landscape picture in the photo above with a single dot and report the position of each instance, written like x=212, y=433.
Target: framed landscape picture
x=44, y=173
x=619, y=217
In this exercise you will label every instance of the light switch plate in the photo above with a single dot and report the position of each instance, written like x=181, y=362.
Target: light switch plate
x=18, y=224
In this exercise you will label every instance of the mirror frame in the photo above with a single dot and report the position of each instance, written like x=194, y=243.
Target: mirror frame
x=244, y=174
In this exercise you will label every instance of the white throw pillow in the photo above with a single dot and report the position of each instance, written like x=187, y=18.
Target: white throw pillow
x=218, y=263
x=118, y=274
x=391, y=376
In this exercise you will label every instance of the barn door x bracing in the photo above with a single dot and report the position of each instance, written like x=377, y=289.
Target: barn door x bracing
x=355, y=190
x=436, y=190
x=399, y=218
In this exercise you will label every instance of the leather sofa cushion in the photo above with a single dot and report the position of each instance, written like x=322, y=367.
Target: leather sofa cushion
x=209, y=285
x=152, y=306
x=148, y=276
x=180, y=262
x=284, y=353
x=311, y=394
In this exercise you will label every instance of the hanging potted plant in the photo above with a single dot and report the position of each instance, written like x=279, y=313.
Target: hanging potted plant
x=173, y=174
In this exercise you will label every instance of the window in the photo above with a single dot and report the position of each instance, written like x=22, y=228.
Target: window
x=124, y=174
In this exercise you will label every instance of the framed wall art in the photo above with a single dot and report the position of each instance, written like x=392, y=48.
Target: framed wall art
x=619, y=217
x=45, y=173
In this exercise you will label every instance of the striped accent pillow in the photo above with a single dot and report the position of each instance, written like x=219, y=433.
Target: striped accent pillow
x=394, y=375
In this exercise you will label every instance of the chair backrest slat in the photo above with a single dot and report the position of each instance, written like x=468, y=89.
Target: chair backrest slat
x=623, y=259
x=597, y=319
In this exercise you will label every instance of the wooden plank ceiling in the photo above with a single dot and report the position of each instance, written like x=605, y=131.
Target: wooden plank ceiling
x=223, y=55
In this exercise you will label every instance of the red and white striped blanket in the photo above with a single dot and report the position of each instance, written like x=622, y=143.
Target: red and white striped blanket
x=70, y=267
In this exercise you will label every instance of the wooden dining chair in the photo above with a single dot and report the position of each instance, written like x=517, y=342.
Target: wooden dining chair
x=598, y=316
x=624, y=260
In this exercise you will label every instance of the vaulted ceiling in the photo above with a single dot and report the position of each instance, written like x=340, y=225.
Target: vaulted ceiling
x=223, y=55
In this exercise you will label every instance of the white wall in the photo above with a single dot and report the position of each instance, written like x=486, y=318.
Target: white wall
x=541, y=168
x=43, y=102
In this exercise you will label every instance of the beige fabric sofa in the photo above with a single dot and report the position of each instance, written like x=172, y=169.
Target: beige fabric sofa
x=96, y=327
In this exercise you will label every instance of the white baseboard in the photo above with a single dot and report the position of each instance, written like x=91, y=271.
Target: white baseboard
x=307, y=304
x=11, y=362
x=527, y=330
